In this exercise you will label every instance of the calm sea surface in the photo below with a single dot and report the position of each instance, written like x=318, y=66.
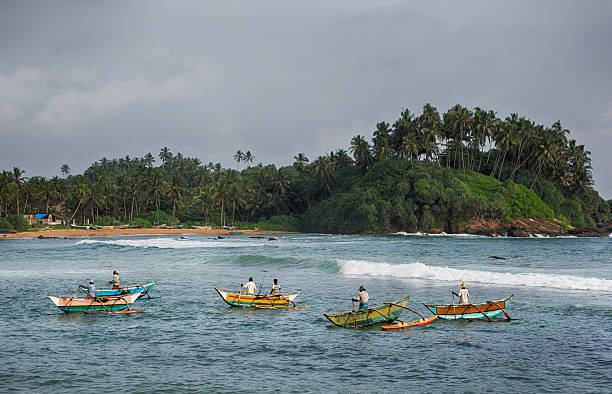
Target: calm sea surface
x=191, y=341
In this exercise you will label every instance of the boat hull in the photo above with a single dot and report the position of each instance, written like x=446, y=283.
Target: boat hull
x=470, y=311
x=143, y=289
x=379, y=314
x=416, y=323
x=260, y=300
x=106, y=304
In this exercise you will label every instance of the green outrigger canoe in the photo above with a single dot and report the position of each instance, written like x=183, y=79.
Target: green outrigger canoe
x=385, y=313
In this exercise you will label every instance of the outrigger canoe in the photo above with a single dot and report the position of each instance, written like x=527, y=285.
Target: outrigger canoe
x=486, y=310
x=98, y=304
x=385, y=313
x=401, y=325
x=259, y=300
x=141, y=289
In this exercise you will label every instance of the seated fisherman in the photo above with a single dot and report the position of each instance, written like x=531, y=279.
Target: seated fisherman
x=249, y=286
x=363, y=297
x=275, y=287
x=91, y=289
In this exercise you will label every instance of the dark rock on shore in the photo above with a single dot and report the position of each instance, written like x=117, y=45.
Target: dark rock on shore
x=524, y=227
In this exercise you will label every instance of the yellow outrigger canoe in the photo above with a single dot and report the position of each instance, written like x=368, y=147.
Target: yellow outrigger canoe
x=264, y=301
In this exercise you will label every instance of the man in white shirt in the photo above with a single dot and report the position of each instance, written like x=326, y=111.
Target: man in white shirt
x=250, y=287
x=463, y=294
x=116, y=280
x=363, y=297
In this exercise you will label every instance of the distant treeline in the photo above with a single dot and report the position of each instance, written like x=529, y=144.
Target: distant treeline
x=420, y=172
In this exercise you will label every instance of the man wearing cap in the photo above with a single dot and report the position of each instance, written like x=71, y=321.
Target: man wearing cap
x=463, y=294
x=116, y=280
x=91, y=289
x=363, y=297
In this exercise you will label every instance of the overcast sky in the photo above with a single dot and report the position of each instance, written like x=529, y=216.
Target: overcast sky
x=82, y=80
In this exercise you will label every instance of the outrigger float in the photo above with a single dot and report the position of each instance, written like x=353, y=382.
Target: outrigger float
x=423, y=321
x=261, y=301
x=487, y=310
x=142, y=290
x=385, y=313
x=116, y=304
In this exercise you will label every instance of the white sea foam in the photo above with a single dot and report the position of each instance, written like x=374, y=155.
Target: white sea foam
x=171, y=243
x=442, y=234
x=423, y=271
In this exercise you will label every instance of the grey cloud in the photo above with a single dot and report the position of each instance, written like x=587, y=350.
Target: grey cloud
x=279, y=77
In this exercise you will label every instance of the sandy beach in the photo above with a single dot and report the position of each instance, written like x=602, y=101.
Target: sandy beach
x=69, y=233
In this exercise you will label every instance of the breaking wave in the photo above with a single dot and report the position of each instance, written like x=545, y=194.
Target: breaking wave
x=170, y=243
x=423, y=271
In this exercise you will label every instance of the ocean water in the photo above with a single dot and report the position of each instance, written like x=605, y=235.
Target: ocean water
x=189, y=340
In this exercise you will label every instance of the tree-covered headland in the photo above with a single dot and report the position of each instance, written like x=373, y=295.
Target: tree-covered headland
x=422, y=172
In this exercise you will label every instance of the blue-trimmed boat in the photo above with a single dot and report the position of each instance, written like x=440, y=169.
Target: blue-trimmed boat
x=142, y=289
x=487, y=310
x=91, y=304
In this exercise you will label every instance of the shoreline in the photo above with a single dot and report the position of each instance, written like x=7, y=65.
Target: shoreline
x=76, y=233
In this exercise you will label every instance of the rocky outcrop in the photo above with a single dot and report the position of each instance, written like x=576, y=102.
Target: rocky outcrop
x=524, y=227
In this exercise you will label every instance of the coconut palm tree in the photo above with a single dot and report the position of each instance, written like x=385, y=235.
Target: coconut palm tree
x=65, y=168
x=238, y=156
x=18, y=180
x=165, y=155
x=361, y=152
x=220, y=197
x=176, y=190
x=410, y=146
x=248, y=157
x=325, y=172
x=300, y=162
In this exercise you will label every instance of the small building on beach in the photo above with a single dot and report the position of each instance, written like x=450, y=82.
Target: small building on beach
x=43, y=218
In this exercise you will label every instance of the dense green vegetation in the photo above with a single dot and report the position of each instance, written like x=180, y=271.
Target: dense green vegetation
x=421, y=172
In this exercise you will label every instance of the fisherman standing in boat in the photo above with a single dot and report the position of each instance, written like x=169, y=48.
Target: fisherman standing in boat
x=463, y=294
x=363, y=297
x=275, y=288
x=116, y=280
x=250, y=287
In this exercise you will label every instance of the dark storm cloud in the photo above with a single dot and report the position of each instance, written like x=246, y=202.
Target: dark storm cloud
x=83, y=80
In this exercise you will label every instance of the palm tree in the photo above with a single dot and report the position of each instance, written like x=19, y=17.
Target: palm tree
x=205, y=201
x=361, y=152
x=545, y=153
x=382, y=141
x=176, y=191
x=156, y=187
x=238, y=156
x=65, y=168
x=300, y=161
x=18, y=181
x=165, y=155
x=220, y=197
x=462, y=124
x=325, y=171
x=409, y=146
x=236, y=201
x=248, y=157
